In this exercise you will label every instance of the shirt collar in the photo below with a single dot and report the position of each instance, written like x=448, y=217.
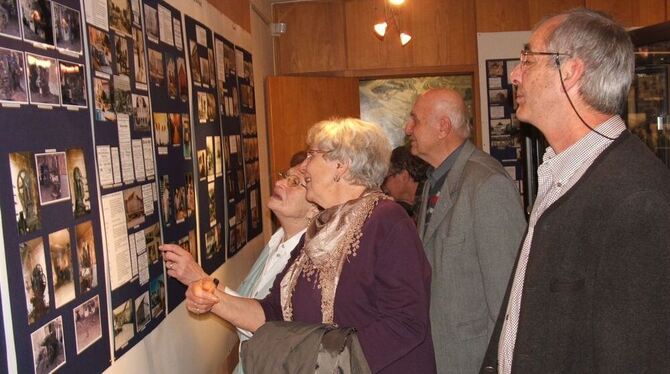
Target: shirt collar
x=438, y=174
x=563, y=165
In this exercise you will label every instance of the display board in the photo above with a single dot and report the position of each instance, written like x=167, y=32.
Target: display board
x=245, y=74
x=208, y=144
x=106, y=160
x=126, y=169
x=51, y=226
x=168, y=87
x=504, y=128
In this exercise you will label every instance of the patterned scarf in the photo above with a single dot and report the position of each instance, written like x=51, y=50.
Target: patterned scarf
x=331, y=237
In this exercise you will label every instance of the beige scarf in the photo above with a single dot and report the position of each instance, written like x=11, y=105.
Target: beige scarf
x=331, y=237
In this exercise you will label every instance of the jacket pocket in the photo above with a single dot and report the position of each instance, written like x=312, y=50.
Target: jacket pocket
x=471, y=329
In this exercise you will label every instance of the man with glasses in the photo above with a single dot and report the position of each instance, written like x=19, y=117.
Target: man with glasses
x=470, y=222
x=590, y=288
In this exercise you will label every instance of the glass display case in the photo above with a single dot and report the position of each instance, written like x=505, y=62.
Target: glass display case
x=647, y=108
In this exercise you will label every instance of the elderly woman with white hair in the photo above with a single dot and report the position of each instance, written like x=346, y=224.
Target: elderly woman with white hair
x=360, y=264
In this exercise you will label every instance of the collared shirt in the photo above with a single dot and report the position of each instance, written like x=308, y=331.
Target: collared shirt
x=557, y=174
x=436, y=179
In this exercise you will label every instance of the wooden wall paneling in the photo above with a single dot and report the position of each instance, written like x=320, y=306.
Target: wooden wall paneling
x=294, y=104
x=539, y=9
x=442, y=31
x=237, y=10
x=632, y=13
x=502, y=15
x=314, y=38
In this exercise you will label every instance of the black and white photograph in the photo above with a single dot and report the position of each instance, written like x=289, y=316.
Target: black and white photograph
x=229, y=59
x=171, y=71
x=72, y=84
x=138, y=56
x=122, y=55
x=195, y=62
x=186, y=126
x=101, y=50
x=48, y=344
x=141, y=113
x=87, y=261
x=181, y=211
x=190, y=194
x=174, y=122
x=204, y=70
x=218, y=156
x=67, y=28
x=133, y=201
x=142, y=311
x=13, y=86
x=498, y=97
x=211, y=194
x=35, y=278
x=156, y=71
x=161, y=129
x=495, y=68
x=120, y=16
x=152, y=236
x=43, y=84
x=123, y=324
x=137, y=12
x=60, y=249
x=166, y=200
x=211, y=107
x=202, y=107
x=87, y=323
x=26, y=194
x=10, y=23
x=151, y=22
x=212, y=67
x=123, y=101
x=202, y=164
x=103, y=100
x=182, y=80
x=209, y=142
x=210, y=244
x=37, y=21
x=157, y=295
x=52, y=176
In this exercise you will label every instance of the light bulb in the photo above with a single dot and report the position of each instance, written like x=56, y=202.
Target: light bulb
x=396, y=2
x=380, y=28
x=405, y=38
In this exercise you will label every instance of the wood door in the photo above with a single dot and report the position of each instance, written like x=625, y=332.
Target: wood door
x=296, y=103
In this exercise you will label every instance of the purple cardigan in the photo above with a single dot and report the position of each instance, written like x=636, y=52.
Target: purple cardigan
x=384, y=292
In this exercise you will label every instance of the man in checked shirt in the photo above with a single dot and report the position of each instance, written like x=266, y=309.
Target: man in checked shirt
x=590, y=290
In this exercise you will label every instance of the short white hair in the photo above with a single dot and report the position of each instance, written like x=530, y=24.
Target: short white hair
x=363, y=145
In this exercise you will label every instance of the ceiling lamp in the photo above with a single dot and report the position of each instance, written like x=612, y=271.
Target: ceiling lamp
x=391, y=15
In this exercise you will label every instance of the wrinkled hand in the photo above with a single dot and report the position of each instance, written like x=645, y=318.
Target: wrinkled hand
x=200, y=297
x=180, y=264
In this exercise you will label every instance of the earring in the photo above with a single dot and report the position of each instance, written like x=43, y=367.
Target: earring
x=336, y=178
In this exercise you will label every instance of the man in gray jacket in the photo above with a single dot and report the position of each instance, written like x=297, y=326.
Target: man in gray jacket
x=471, y=223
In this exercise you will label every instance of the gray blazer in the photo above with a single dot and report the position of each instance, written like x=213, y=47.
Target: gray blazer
x=471, y=242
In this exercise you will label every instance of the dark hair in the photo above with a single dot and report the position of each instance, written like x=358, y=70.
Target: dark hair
x=402, y=159
x=298, y=158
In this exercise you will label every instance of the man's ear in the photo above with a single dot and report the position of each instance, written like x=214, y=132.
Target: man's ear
x=404, y=174
x=572, y=71
x=444, y=127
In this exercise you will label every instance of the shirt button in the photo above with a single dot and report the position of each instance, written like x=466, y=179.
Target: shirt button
x=559, y=184
x=506, y=317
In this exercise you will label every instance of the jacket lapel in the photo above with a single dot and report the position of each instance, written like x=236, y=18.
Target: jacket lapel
x=448, y=193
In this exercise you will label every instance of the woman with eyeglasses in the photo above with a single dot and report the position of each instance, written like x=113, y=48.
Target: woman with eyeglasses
x=293, y=212
x=360, y=264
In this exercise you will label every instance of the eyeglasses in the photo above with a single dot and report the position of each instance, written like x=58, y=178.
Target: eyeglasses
x=527, y=52
x=312, y=152
x=292, y=180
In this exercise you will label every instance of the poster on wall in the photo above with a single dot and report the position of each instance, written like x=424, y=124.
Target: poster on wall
x=504, y=127
x=207, y=143
x=249, y=130
x=235, y=183
x=51, y=218
x=121, y=112
x=173, y=136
